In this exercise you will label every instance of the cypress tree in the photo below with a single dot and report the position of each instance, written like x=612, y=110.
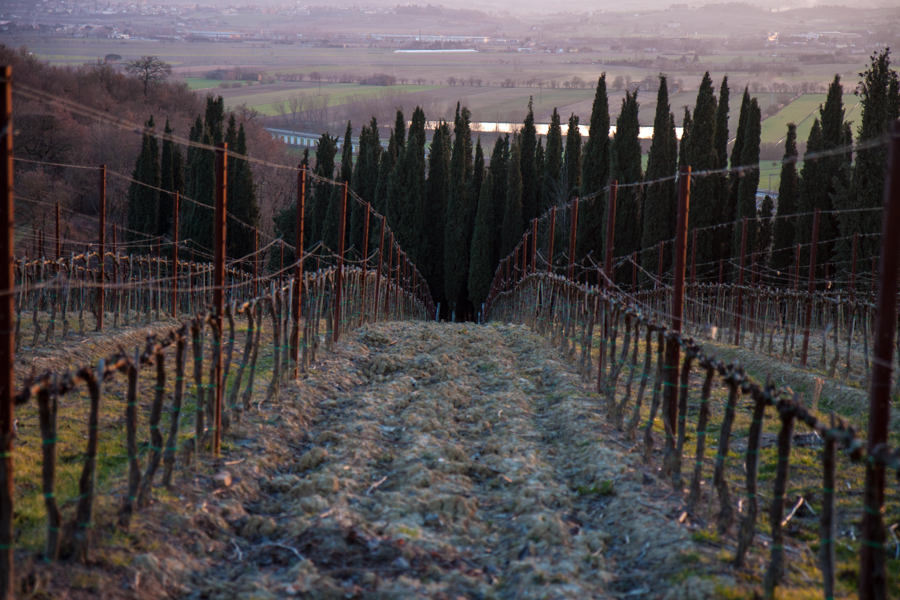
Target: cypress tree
x=573, y=157
x=326, y=149
x=726, y=209
x=554, y=190
x=512, y=215
x=143, y=200
x=457, y=238
x=701, y=155
x=358, y=184
x=764, y=230
x=812, y=192
x=499, y=176
x=385, y=166
x=412, y=171
x=661, y=199
x=626, y=168
x=832, y=168
x=788, y=195
x=746, y=206
x=878, y=92
x=529, y=175
x=595, y=167
x=734, y=178
x=595, y=174
x=169, y=181
x=436, y=193
x=686, y=123
x=539, y=169
x=197, y=216
x=481, y=267
x=242, y=204
x=286, y=222
x=347, y=175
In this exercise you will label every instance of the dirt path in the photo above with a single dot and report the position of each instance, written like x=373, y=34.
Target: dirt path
x=427, y=461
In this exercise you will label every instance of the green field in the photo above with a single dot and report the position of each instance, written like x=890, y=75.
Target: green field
x=337, y=94
x=802, y=112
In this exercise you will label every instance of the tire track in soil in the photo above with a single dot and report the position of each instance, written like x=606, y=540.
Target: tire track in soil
x=452, y=461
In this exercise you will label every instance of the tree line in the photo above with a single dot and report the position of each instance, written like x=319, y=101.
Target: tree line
x=458, y=212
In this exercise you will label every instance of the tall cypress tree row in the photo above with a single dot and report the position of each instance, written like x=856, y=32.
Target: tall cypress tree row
x=457, y=237
x=437, y=191
x=385, y=167
x=686, y=123
x=595, y=165
x=242, y=204
x=171, y=179
x=499, y=176
x=702, y=156
x=143, y=200
x=734, y=177
x=880, y=102
x=746, y=206
x=812, y=193
x=530, y=191
x=595, y=175
x=573, y=157
x=661, y=199
x=788, y=195
x=412, y=173
x=554, y=190
x=481, y=267
x=539, y=169
x=726, y=209
x=512, y=215
x=359, y=185
x=331, y=224
x=326, y=150
x=285, y=221
x=833, y=169
x=475, y=186
x=197, y=216
x=626, y=168
x=392, y=203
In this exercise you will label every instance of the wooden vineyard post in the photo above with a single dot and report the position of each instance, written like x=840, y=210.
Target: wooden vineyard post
x=298, y=268
x=804, y=352
x=339, y=283
x=102, y=256
x=219, y=285
x=872, y=573
x=670, y=389
x=610, y=233
x=7, y=337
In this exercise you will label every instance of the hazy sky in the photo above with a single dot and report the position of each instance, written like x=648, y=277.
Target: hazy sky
x=545, y=7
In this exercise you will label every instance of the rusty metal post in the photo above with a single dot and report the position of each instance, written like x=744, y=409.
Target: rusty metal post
x=298, y=266
x=673, y=350
x=552, y=236
x=255, y=263
x=7, y=337
x=659, y=266
x=610, y=232
x=174, y=255
x=380, y=266
x=811, y=289
x=102, y=234
x=694, y=258
x=797, y=268
x=339, y=280
x=739, y=306
x=115, y=266
x=872, y=570
x=58, y=237
x=572, y=236
x=219, y=282
x=853, y=264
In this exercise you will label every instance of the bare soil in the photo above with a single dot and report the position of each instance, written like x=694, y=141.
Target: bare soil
x=417, y=460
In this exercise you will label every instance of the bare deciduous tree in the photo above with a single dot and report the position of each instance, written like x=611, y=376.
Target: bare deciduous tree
x=149, y=69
